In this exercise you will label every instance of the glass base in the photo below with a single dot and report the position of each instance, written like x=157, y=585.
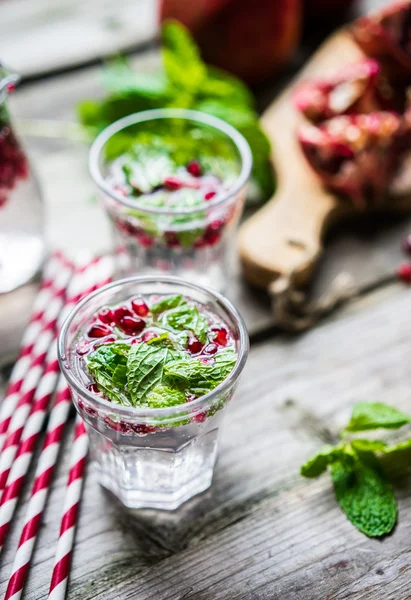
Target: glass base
x=157, y=499
x=159, y=470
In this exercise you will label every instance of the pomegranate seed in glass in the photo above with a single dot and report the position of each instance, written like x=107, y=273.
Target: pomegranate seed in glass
x=151, y=403
x=174, y=190
x=22, y=248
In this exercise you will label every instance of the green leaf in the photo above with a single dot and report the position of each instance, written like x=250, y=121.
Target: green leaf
x=181, y=58
x=167, y=303
x=224, y=86
x=162, y=396
x=200, y=378
x=400, y=447
x=375, y=415
x=318, y=463
x=187, y=316
x=366, y=498
x=145, y=370
x=119, y=78
x=369, y=445
x=108, y=366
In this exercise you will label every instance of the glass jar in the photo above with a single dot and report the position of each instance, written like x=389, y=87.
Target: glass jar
x=151, y=457
x=22, y=248
x=188, y=239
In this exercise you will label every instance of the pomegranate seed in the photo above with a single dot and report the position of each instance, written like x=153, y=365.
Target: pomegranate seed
x=81, y=404
x=190, y=397
x=120, y=426
x=404, y=272
x=221, y=335
x=213, y=232
x=173, y=183
x=200, y=417
x=136, y=341
x=143, y=429
x=140, y=307
x=106, y=316
x=211, y=348
x=91, y=411
x=406, y=244
x=209, y=195
x=145, y=240
x=149, y=335
x=98, y=331
x=92, y=387
x=200, y=243
x=120, y=312
x=83, y=348
x=171, y=239
x=194, y=168
x=131, y=325
x=194, y=346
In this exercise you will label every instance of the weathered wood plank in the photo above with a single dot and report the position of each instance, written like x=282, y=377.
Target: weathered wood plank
x=261, y=532
x=66, y=33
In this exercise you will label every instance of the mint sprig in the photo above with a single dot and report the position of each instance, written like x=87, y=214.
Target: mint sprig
x=357, y=470
x=185, y=82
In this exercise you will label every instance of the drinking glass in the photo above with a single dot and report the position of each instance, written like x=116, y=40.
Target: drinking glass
x=147, y=457
x=190, y=242
x=22, y=248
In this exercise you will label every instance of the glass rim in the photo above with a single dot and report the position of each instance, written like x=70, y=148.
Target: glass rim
x=170, y=113
x=147, y=413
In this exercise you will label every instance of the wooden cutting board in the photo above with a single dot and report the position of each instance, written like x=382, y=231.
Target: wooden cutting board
x=284, y=238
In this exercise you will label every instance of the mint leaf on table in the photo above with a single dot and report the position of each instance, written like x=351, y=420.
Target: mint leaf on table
x=187, y=316
x=167, y=303
x=364, y=495
x=145, y=370
x=318, y=463
x=198, y=377
x=358, y=474
x=375, y=415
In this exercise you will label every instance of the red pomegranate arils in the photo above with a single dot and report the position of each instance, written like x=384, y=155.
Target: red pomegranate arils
x=404, y=272
x=140, y=307
x=194, y=168
x=98, y=331
x=131, y=326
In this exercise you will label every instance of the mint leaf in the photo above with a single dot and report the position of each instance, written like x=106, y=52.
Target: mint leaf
x=366, y=498
x=108, y=366
x=181, y=58
x=145, y=370
x=162, y=396
x=400, y=447
x=167, y=303
x=318, y=463
x=198, y=377
x=369, y=445
x=119, y=78
x=188, y=316
x=375, y=415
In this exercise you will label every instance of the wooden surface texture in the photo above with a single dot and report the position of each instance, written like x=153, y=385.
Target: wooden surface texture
x=261, y=532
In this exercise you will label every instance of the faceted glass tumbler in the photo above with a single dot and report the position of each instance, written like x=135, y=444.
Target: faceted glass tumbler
x=152, y=458
x=148, y=239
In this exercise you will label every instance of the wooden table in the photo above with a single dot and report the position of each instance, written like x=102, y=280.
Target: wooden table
x=261, y=532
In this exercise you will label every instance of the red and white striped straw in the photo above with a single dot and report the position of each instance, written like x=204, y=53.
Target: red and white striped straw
x=38, y=367
x=64, y=550
x=47, y=460
x=53, y=286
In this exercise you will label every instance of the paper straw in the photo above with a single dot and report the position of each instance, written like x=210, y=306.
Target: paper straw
x=64, y=550
x=38, y=371
x=53, y=285
x=44, y=471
